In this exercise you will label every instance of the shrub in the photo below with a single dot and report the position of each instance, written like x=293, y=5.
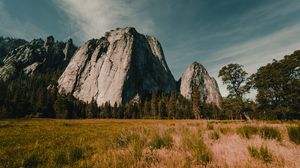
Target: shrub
x=270, y=133
x=161, y=141
x=214, y=135
x=294, y=134
x=76, y=153
x=247, y=131
x=262, y=154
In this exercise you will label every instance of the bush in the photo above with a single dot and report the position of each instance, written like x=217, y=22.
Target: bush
x=247, y=131
x=294, y=134
x=161, y=141
x=262, y=154
x=270, y=133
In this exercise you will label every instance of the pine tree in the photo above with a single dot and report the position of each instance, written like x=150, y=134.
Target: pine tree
x=154, y=105
x=196, y=99
x=171, y=107
x=162, y=109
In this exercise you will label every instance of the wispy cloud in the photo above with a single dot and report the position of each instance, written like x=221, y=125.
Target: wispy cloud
x=91, y=19
x=11, y=26
x=257, y=52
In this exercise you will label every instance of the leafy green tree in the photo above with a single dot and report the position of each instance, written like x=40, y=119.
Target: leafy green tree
x=278, y=86
x=238, y=84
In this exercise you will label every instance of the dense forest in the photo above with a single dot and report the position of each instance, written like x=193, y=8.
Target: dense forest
x=277, y=85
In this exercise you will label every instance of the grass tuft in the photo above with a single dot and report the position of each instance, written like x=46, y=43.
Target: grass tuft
x=214, y=135
x=32, y=161
x=200, y=152
x=262, y=153
x=294, y=134
x=76, y=153
x=247, y=131
x=209, y=126
x=270, y=133
x=161, y=141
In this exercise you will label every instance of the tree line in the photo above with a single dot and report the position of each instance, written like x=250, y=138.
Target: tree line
x=277, y=85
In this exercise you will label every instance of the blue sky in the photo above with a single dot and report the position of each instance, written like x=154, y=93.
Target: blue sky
x=212, y=32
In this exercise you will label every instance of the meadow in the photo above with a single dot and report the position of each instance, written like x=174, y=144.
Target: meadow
x=148, y=143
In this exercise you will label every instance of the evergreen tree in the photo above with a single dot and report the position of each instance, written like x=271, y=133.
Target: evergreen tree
x=196, y=99
x=154, y=105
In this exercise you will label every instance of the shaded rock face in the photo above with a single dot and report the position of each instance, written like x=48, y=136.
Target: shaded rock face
x=117, y=68
x=207, y=85
x=8, y=44
x=38, y=55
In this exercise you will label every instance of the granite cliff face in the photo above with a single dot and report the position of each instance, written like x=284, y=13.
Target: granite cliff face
x=207, y=85
x=38, y=55
x=8, y=44
x=117, y=68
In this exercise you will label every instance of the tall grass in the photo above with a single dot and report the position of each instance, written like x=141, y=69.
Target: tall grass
x=262, y=153
x=202, y=155
x=247, y=131
x=270, y=133
x=294, y=134
x=159, y=141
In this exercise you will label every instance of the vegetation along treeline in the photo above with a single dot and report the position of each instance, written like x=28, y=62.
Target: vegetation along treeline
x=277, y=85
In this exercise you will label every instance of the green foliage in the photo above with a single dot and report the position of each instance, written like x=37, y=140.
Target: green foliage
x=278, y=87
x=270, y=133
x=234, y=77
x=247, y=131
x=294, y=134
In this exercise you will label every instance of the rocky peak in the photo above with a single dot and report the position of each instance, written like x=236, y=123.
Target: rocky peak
x=8, y=44
x=117, y=68
x=38, y=55
x=208, y=86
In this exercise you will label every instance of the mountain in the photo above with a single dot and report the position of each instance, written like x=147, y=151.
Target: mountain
x=117, y=68
x=8, y=44
x=207, y=85
x=36, y=56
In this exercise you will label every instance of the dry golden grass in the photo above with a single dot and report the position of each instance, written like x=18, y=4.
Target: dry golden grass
x=145, y=143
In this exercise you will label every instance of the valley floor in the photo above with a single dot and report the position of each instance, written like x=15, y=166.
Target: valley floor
x=147, y=143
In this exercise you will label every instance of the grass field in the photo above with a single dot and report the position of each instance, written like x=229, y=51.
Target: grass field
x=148, y=143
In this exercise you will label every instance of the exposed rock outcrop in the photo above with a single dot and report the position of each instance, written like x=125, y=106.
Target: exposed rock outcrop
x=8, y=44
x=117, y=68
x=207, y=85
x=38, y=55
